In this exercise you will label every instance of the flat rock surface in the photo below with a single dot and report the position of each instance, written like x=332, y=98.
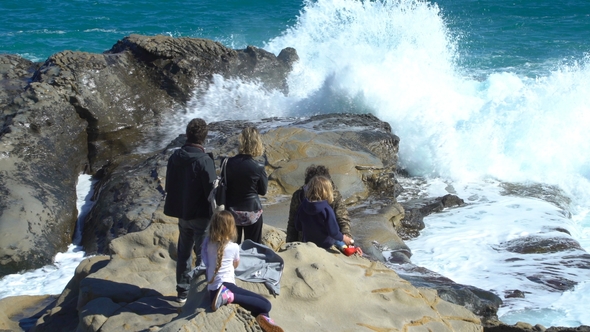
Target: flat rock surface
x=320, y=290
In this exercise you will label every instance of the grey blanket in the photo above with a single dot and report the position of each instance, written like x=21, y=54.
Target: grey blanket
x=259, y=263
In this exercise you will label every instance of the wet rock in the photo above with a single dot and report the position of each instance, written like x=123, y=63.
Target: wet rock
x=514, y=294
x=525, y=327
x=498, y=326
x=548, y=193
x=540, y=244
x=483, y=303
x=416, y=209
x=582, y=328
x=375, y=233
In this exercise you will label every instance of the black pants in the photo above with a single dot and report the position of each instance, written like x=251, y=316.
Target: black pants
x=253, y=302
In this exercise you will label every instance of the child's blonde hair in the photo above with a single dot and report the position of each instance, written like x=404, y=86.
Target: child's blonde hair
x=251, y=142
x=222, y=229
x=320, y=188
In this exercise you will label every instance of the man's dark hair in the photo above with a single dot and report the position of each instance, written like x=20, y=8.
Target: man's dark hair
x=196, y=131
x=314, y=170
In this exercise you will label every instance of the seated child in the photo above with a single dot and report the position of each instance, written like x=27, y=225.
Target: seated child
x=221, y=256
x=315, y=218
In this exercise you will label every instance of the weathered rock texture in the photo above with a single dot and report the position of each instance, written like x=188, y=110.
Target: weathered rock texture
x=320, y=291
x=80, y=111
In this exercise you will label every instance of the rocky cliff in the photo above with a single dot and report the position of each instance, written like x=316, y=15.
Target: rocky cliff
x=79, y=111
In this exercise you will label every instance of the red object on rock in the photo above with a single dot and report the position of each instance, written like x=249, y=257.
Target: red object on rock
x=350, y=250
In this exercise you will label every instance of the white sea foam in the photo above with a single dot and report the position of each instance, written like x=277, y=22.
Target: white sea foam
x=48, y=280
x=102, y=30
x=465, y=245
x=45, y=31
x=226, y=99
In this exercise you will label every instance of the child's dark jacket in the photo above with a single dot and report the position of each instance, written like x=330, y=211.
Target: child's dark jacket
x=318, y=223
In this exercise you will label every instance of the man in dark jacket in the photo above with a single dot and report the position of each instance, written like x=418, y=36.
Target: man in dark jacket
x=189, y=179
x=337, y=205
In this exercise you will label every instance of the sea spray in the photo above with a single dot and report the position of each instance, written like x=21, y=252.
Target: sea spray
x=397, y=59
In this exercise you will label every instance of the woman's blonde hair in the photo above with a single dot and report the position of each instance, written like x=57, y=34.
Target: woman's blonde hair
x=251, y=142
x=319, y=188
x=222, y=229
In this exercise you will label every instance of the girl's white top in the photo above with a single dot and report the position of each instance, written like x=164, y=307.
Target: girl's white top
x=226, y=272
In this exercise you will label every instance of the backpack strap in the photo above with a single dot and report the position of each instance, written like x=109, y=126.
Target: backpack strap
x=223, y=172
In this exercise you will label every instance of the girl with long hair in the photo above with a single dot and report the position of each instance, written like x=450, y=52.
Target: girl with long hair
x=221, y=255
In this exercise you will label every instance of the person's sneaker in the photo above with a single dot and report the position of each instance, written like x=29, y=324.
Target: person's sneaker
x=223, y=297
x=267, y=324
x=181, y=298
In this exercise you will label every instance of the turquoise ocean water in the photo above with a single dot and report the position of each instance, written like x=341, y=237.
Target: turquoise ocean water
x=482, y=94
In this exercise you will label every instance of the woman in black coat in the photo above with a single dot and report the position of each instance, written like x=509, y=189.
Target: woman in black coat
x=246, y=179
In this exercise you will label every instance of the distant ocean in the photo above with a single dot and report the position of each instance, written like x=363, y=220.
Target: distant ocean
x=483, y=94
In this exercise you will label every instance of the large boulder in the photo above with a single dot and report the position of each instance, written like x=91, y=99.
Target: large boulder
x=376, y=233
x=127, y=92
x=360, y=151
x=43, y=149
x=79, y=112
